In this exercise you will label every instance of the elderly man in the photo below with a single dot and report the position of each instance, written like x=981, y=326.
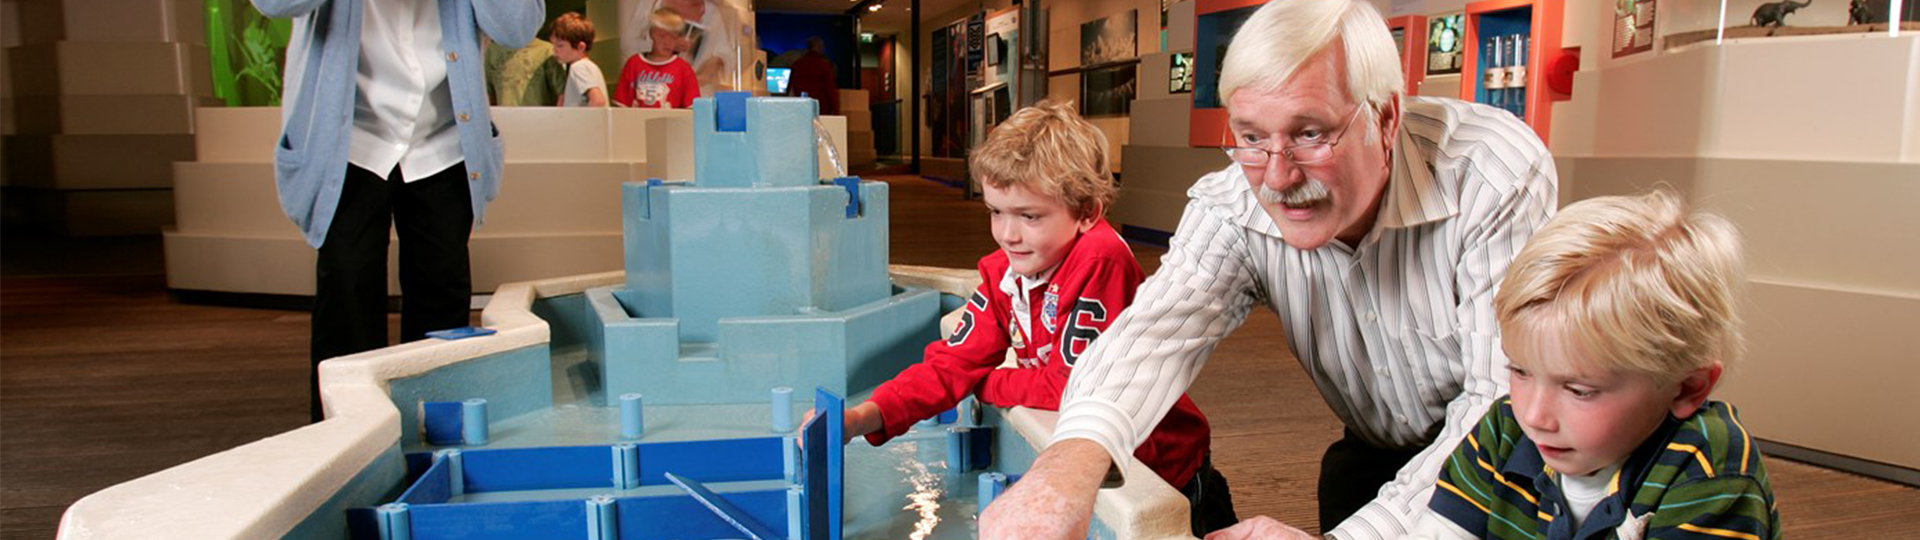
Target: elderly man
x=1377, y=227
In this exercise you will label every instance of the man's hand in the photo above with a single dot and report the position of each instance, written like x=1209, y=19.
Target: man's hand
x=1261, y=528
x=1054, y=499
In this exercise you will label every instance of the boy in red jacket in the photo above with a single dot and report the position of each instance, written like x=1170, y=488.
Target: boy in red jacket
x=658, y=79
x=1060, y=277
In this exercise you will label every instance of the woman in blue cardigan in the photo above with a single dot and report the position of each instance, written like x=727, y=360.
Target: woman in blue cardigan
x=386, y=125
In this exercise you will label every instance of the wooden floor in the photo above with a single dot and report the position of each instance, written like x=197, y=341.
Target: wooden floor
x=103, y=378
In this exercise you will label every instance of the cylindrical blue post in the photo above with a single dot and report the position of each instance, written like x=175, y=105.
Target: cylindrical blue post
x=790, y=458
x=395, y=524
x=456, y=473
x=473, y=422
x=602, y=523
x=782, y=410
x=629, y=466
x=957, y=450
x=796, y=511
x=631, y=421
x=991, y=484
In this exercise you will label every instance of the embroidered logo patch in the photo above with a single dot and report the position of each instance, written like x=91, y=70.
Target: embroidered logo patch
x=1050, y=307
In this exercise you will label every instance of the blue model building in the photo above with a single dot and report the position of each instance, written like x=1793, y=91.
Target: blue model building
x=757, y=274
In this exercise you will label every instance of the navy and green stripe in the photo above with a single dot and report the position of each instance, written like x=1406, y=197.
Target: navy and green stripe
x=1701, y=478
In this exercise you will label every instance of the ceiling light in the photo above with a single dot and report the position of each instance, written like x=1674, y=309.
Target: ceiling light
x=875, y=7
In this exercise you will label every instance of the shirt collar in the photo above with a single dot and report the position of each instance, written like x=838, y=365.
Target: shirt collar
x=1413, y=197
x=1525, y=461
x=1015, y=285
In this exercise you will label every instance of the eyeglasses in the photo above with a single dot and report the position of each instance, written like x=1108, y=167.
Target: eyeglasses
x=1300, y=154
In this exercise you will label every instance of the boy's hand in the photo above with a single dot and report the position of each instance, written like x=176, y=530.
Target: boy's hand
x=859, y=420
x=1261, y=528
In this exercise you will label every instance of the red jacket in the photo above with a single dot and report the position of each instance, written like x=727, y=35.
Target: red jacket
x=649, y=85
x=1085, y=294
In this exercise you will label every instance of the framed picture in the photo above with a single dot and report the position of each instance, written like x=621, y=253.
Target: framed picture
x=1111, y=38
x=1180, y=73
x=1107, y=91
x=1445, y=34
x=996, y=49
x=1633, y=26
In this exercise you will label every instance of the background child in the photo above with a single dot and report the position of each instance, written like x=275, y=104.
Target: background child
x=659, y=79
x=572, y=36
x=1618, y=318
x=1060, y=277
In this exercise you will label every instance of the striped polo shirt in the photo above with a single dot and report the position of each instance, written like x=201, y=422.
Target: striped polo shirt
x=1699, y=478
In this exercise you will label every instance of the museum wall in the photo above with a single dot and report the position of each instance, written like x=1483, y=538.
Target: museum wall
x=1063, y=29
x=1820, y=186
x=109, y=77
x=924, y=51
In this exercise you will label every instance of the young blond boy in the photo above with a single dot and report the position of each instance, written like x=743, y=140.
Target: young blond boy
x=1618, y=318
x=1060, y=277
x=658, y=79
x=572, y=37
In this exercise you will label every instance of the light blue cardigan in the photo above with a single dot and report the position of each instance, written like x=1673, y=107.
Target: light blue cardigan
x=310, y=162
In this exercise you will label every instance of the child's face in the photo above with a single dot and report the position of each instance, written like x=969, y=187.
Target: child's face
x=667, y=41
x=1584, y=421
x=1034, y=230
x=568, y=53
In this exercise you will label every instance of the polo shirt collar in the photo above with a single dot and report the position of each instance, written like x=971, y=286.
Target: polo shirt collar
x=1609, y=513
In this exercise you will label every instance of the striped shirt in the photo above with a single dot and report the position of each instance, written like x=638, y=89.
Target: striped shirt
x=1397, y=332
x=1700, y=478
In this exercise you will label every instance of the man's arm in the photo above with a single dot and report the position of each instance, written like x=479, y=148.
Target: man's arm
x=511, y=23
x=1128, y=379
x=1501, y=226
x=1054, y=499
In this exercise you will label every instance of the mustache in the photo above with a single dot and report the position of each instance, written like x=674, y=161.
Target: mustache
x=1300, y=194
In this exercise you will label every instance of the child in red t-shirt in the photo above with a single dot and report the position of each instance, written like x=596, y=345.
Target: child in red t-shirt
x=1060, y=277
x=659, y=79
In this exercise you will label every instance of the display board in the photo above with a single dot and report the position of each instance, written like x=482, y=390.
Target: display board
x=1633, y=26
x=1446, y=36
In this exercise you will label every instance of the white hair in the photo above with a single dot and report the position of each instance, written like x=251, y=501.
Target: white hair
x=1282, y=35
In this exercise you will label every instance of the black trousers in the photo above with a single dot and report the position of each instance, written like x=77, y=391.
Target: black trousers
x=1209, y=503
x=434, y=219
x=1351, y=474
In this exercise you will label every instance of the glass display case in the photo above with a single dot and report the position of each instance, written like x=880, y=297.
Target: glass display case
x=1679, y=24
x=1504, y=42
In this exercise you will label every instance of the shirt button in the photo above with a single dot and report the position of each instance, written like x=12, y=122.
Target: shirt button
x=453, y=57
x=1401, y=418
x=1371, y=317
x=475, y=176
x=463, y=117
